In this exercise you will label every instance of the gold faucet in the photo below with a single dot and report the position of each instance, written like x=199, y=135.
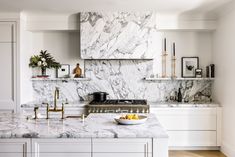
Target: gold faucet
x=55, y=109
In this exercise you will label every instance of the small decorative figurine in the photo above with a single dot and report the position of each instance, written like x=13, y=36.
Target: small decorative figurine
x=77, y=71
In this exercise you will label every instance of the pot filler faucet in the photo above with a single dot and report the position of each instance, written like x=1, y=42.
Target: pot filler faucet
x=55, y=109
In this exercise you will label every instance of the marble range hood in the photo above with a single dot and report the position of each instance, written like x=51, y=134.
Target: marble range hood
x=118, y=35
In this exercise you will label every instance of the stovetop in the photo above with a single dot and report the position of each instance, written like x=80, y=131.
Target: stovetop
x=119, y=106
x=120, y=102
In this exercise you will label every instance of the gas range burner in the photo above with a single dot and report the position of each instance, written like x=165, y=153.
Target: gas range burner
x=120, y=102
x=118, y=106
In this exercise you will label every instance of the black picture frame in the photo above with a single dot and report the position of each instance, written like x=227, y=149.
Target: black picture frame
x=188, y=66
x=64, y=71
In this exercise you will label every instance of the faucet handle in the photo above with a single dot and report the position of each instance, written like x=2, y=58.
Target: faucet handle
x=36, y=112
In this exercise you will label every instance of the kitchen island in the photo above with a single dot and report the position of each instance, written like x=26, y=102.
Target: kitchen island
x=97, y=136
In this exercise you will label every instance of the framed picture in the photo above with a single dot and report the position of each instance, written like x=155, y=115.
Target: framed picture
x=64, y=71
x=198, y=73
x=188, y=66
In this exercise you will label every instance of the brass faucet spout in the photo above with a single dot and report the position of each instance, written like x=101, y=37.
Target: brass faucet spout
x=55, y=109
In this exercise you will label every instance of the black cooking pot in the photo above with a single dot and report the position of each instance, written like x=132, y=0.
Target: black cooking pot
x=99, y=96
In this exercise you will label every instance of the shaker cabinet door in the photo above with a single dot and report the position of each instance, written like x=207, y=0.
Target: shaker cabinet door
x=61, y=148
x=7, y=66
x=7, y=32
x=14, y=148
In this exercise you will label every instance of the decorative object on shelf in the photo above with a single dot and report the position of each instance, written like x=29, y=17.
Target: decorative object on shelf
x=44, y=60
x=198, y=73
x=151, y=76
x=210, y=71
x=173, y=62
x=173, y=95
x=164, y=56
x=207, y=71
x=179, y=98
x=63, y=71
x=77, y=71
x=188, y=66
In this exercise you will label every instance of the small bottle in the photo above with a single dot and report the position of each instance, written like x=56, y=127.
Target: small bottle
x=179, y=95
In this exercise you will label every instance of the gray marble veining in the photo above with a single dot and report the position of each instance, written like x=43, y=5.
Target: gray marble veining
x=94, y=126
x=122, y=79
x=118, y=35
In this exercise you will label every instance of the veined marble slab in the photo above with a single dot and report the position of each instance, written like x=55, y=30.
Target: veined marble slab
x=122, y=79
x=118, y=35
x=95, y=126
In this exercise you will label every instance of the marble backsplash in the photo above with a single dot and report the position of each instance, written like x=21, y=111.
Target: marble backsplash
x=122, y=79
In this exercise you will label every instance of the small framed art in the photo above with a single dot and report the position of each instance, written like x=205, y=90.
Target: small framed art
x=188, y=66
x=64, y=71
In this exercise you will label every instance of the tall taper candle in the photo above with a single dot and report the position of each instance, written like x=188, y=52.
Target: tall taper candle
x=173, y=49
x=165, y=44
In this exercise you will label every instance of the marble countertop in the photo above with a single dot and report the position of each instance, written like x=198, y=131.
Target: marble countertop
x=81, y=104
x=94, y=126
x=181, y=104
x=75, y=104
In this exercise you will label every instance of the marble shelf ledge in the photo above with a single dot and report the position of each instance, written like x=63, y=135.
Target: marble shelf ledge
x=179, y=79
x=183, y=105
x=60, y=79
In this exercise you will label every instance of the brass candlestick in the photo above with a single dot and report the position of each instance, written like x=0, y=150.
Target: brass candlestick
x=173, y=67
x=164, y=55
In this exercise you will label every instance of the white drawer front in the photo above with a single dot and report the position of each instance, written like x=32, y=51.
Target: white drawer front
x=62, y=145
x=122, y=145
x=192, y=138
x=121, y=155
x=187, y=118
x=15, y=154
x=62, y=155
x=15, y=148
x=191, y=122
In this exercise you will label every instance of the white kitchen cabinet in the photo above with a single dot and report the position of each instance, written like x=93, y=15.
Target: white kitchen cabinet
x=192, y=138
x=8, y=66
x=122, y=147
x=191, y=127
x=84, y=147
x=7, y=31
x=121, y=155
x=15, y=148
x=61, y=154
x=61, y=147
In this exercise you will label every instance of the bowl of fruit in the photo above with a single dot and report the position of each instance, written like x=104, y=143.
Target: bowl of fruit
x=130, y=119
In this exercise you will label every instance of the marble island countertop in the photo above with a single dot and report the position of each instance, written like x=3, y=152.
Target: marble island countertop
x=94, y=126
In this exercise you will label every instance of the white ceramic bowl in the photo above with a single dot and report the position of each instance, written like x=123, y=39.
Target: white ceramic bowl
x=141, y=120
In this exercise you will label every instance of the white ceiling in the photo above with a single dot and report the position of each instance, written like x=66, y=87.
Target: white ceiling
x=73, y=6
